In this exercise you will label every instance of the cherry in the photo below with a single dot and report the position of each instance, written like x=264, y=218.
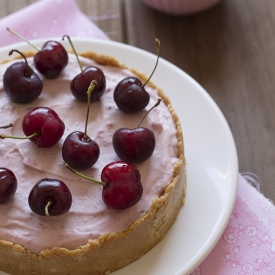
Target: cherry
x=122, y=187
x=80, y=83
x=46, y=123
x=41, y=125
x=50, y=197
x=51, y=59
x=8, y=184
x=78, y=150
x=130, y=95
x=21, y=83
x=135, y=145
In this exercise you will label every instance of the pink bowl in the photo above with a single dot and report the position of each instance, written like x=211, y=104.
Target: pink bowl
x=180, y=7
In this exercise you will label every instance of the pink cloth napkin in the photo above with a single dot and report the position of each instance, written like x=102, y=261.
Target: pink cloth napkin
x=48, y=18
x=248, y=244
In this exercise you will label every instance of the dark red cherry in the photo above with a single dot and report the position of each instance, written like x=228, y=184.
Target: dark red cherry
x=121, y=183
x=80, y=152
x=8, y=184
x=46, y=123
x=21, y=83
x=124, y=188
x=135, y=145
x=51, y=59
x=50, y=197
x=130, y=95
x=80, y=84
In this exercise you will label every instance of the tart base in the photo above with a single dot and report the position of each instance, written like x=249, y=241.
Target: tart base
x=111, y=251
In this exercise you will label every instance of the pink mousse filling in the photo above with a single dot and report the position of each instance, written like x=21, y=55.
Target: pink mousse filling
x=88, y=217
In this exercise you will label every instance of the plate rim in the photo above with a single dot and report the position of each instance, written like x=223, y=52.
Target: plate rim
x=210, y=244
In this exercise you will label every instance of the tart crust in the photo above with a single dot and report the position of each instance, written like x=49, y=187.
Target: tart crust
x=110, y=251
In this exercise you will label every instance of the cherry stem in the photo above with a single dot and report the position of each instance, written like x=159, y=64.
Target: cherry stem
x=22, y=38
x=158, y=102
x=71, y=43
x=14, y=137
x=85, y=177
x=90, y=89
x=158, y=54
x=27, y=64
x=47, y=208
x=6, y=126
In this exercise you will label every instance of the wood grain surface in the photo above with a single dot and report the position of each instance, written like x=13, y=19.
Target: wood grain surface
x=229, y=49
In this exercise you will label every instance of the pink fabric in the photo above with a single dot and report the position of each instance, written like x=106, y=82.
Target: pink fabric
x=248, y=244
x=48, y=18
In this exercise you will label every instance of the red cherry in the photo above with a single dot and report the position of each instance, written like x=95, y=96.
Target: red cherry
x=8, y=184
x=130, y=95
x=51, y=59
x=50, y=197
x=42, y=126
x=46, y=123
x=78, y=150
x=21, y=83
x=135, y=145
x=80, y=83
x=122, y=187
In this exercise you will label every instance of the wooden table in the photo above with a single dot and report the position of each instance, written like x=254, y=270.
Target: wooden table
x=228, y=49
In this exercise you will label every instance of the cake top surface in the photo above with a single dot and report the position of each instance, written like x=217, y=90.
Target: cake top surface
x=88, y=217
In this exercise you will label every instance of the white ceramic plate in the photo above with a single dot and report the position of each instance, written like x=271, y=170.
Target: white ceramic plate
x=212, y=165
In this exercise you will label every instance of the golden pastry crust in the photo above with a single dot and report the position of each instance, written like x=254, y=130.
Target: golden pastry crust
x=110, y=251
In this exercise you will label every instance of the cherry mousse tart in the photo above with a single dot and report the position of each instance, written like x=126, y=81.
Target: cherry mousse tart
x=78, y=217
